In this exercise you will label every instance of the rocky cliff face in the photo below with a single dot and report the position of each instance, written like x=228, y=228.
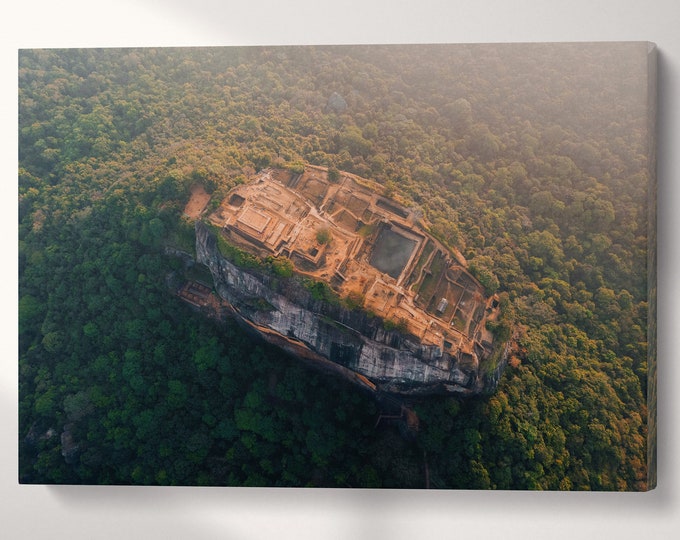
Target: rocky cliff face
x=348, y=342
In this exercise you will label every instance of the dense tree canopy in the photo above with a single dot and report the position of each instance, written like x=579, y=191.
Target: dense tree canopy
x=532, y=160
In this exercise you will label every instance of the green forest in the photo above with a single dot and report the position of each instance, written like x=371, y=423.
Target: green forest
x=532, y=160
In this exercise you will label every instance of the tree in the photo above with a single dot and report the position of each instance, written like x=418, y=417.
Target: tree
x=323, y=236
x=333, y=175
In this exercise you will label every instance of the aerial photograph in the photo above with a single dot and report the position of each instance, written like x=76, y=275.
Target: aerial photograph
x=348, y=266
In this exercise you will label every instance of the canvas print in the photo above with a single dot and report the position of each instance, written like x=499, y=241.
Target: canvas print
x=384, y=266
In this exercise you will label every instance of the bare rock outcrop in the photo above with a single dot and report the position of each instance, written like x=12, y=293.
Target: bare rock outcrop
x=346, y=341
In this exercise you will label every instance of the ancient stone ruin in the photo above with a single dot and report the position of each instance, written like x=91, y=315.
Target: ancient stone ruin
x=372, y=294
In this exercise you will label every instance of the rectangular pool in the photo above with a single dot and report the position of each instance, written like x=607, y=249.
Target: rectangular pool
x=391, y=252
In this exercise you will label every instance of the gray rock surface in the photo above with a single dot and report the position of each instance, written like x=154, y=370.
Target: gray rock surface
x=347, y=341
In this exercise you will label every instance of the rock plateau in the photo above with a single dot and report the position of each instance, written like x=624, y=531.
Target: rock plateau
x=365, y=291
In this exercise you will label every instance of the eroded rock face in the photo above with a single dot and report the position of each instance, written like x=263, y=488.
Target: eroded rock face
x=346, y=341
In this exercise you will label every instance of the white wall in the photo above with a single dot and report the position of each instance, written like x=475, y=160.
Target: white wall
x=154, y=513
